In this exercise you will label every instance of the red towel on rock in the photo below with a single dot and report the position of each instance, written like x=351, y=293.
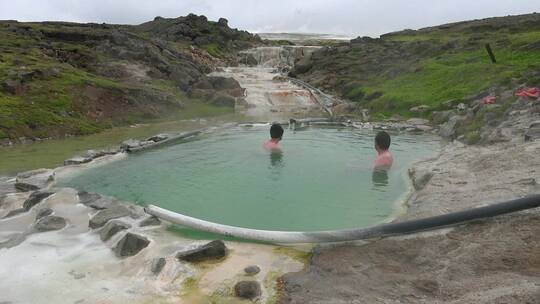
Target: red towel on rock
x=529, y=92
x=489, y=100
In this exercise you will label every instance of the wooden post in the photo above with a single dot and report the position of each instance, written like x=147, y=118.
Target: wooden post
x=490, y=53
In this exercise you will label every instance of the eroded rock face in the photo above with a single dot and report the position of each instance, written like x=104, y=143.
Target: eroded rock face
x=130, y=245
x=50, y=223
x=213, y=250
x=112, y=228
x=247, y=289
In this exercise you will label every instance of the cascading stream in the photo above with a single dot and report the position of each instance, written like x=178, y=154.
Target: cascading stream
x=269, y=96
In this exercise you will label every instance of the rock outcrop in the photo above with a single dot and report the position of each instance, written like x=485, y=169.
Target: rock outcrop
x=213, y=250
x=130, y=245
x=112, y=228
x=105, y=215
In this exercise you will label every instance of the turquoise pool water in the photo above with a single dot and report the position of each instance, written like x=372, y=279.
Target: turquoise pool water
x=322, y=180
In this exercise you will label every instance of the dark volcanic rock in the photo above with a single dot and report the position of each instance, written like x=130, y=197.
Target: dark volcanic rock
x=213, y=250
x=130, y=245
x=150, y=221
x=247, y=289
x=103, y=216
x=157, y=265
x=49, y=223
x=43, y=212
x=35, y=198
x=252, y=270
x=223, y=100
x=112, y=228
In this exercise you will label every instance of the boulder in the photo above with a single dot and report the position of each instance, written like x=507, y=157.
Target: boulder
x=223, y=22
x=105, y=215
x=448, y=129
x=130, y=245
x=247, y=289
x=10, y=86
x=35, y=198
x=439, y=117
x=223, y=100
x=96, y=201
x=112, y=228
x=50, y=223
x=224, y=83
x=43, y=212
x=252, y=270
x=157, y=265
x=150, y=221
x=34, y=180
x=213, y=250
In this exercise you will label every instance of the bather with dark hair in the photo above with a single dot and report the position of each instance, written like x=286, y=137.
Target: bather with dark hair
x=384, y=158
x=276, y=133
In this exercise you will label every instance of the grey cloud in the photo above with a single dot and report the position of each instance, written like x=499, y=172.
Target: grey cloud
x=350, y=17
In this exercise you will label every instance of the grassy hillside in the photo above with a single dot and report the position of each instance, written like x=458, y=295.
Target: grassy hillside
x=434, y=66
x=60, y=78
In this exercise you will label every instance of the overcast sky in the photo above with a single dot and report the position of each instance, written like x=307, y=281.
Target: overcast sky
x=348, y=17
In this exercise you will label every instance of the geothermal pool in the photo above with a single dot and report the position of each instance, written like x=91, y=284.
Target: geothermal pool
x=322, y=180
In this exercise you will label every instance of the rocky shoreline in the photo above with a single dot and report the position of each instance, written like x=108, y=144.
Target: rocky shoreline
x=486, y=261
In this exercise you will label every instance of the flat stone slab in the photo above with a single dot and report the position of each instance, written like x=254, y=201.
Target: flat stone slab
x=34, y=180
x=97, y=201
x=211, y=251
x=105, y=215
x=50, y=223
x=130, y=245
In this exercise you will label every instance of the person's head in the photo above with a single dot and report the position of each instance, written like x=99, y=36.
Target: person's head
x=382, y=141
x=276, y=131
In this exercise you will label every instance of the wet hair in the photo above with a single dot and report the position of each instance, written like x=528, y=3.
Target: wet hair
x=276, y=131
x=382, y=139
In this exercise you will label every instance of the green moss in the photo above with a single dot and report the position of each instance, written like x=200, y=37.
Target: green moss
x=215, y=50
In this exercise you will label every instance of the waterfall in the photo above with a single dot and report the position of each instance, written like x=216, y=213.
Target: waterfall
x=275, y=56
